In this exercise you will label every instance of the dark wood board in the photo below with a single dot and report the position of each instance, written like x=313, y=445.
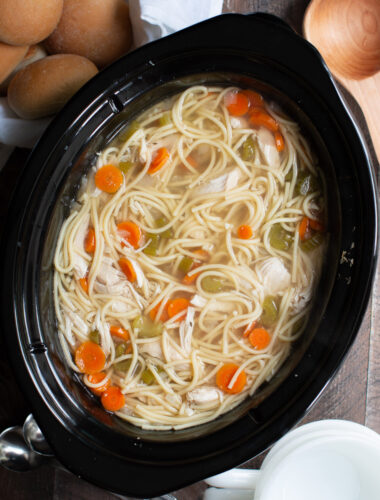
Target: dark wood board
x=354, y=393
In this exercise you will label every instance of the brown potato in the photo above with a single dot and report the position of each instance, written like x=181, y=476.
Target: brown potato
x=26, y=22
x=97, y=29
x=10, y=57
x=44, y=87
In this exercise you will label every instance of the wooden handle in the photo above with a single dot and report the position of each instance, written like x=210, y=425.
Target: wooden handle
x=367, y=93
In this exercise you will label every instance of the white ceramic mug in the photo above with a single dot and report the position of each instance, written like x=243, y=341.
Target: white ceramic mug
x=329, y=460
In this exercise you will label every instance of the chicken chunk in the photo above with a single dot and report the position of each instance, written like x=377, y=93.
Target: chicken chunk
x=205, y=397
x=268, y=148
x=273, y=275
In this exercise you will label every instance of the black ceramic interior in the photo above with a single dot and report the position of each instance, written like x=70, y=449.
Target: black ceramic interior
x=257, y=51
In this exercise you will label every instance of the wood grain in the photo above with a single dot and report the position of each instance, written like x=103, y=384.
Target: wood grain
x=354, y=394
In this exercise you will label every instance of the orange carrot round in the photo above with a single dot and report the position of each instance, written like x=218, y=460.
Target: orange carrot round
x=113, y=399
x=95, y=378
x=120, y=332
x=304, y=229
x=130, y=232
x=159, y=159
x=128, y=269
x=89, y=242
x=189, y=279
x=108, y=178
x=259, y=338
x=224, y=377
x=153, y=313
x=260, y=118
x=279, y=140
x=175, y=306
x=245, y=232
x=84, y=283
x=249, y=329
x=316, y=225
x=201, y=254
x=90, y=358
x=237, y=103
x=254, y=99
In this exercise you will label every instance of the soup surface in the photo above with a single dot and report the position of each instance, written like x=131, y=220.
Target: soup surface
x=187, y=266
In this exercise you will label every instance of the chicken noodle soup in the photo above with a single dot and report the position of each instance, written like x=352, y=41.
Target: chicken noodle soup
x=187, y=266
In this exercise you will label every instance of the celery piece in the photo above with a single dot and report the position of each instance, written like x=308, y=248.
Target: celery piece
x=248, y=149
x=152, y=248
x=147, y=377
x=124, y=166
x=270, y=311
x=94, y=336
x=279, y=238
x=312, y=243
x=186, y=264
x=169, y=233
x=211, y=284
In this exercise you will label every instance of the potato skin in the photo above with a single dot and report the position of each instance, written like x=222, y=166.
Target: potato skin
x=97, y=29
x=43, y=87
x=10, y=57
x=27, y=22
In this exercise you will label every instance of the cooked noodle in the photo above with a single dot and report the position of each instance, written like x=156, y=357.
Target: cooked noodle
x=200, y=204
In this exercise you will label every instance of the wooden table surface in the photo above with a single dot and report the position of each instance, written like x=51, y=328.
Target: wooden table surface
x=354, y=394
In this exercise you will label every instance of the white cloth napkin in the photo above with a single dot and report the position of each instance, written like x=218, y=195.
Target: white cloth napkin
x=151, y=19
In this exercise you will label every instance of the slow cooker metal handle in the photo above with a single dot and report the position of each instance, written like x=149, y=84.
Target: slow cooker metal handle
x=25, y=448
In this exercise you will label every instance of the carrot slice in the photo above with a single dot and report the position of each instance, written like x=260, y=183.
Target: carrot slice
x=254, y=99
x=259, y=338
x=249, y=329
x=175, y=306
x=113, y=399
x=279, y=140
x=258, y=117
x=160, y=158
x=316, y=225
x=224, y=377
x=202, y=254
x=130, y=232
x=89, y=242
x=245, y=232
x=189, y=279
x=109, y=178
x=95, y=378
x=237, y=103
x=90, y=358
x=304, y=229
x=128, y=269
x=153, y=313
x=120, y=332
x=84, y=283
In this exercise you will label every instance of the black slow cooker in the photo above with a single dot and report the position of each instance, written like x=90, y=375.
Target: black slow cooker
x=258, y=51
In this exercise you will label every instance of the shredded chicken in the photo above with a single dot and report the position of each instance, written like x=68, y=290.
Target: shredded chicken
x=268, y=148
x=301, y=299
x=224, y=182
x=239, y=122
x=273, y=275
x=186, y=330
x=205, y=396
x=110, y=280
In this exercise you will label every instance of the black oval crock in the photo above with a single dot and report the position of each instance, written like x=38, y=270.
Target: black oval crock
x=256, y=50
